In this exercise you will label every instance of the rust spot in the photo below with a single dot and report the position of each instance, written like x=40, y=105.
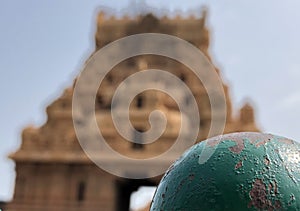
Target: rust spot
x=273, y=187
x=267, y=161
x=254, y=138
x=236, y=137
x=212, y=142
x=286, y=141
x=238, y=147
x=270, y=187
x=262, y=142
x=277, y=204
x=258, y=195
x=238, y=165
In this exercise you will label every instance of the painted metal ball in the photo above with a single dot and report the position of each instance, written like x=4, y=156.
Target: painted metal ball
x=239, y=171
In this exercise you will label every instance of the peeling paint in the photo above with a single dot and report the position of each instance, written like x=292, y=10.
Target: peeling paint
x=259, y=200
x=255, y=171
x=238, y=147
x=267, y=161
x=238, y=165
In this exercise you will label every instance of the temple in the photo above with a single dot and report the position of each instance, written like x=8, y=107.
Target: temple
x=54, y=174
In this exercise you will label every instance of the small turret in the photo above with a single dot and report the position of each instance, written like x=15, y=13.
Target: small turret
x=247, y=119
x=247, y=114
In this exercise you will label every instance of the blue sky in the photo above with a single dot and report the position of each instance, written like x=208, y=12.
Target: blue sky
x=45, y=43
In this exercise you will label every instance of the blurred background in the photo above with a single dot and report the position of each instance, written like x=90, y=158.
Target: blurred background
x=44, y=45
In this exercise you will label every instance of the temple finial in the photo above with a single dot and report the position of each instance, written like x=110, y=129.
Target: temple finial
x=204, y=13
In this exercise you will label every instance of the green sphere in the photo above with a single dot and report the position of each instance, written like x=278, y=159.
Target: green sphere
x=239, y=171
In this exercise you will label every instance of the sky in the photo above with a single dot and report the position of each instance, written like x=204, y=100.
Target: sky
x=44, y=45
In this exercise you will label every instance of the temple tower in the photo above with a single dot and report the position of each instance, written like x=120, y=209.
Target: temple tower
x=53, y=173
